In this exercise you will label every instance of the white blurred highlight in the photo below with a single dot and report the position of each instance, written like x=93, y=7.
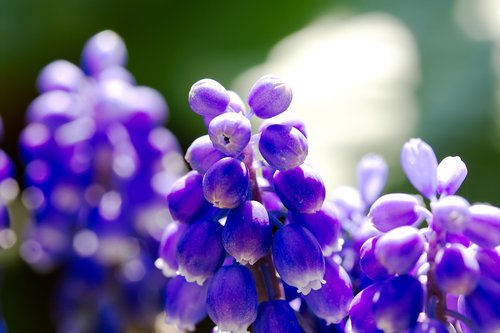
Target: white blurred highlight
x=353, y=80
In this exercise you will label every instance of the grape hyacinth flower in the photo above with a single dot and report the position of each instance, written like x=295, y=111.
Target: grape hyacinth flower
x=265, y=228
x=98, y=166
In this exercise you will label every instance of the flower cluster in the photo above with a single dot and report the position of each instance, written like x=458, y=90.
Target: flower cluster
x=97, y=160
x=250, y=222
x=254, y=243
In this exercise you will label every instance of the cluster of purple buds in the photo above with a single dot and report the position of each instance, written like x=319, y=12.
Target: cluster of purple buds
x=430, y=269
x=252, y=240
x=97, y=162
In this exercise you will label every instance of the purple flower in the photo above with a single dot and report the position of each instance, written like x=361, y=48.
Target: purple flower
x=185, y=304
x=283, y=146
x=232, y=298
x=298, y=258
x=247, y=233
x=394, y=210
x=451, y=213
x=372, y=175
x=202, y=154
x=60, y=75
x=369, y=263
x=102, y=51
x=457, y=270
x=451, y=173
x=230, y=133
x=300, y=189
x=332, y=301
x=186, y=197
x=167, y=261
x=269, y=97
x=200, y=252
x=277, y=317
x=484, y=225
x=420, y=166
x=208, y=98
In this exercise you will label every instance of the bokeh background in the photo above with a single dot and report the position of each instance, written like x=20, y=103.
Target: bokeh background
x=367, y=75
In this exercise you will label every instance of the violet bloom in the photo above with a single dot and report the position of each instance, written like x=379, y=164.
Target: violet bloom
x=200, y=252
x=283, y=146
x=398, y=303
x=451, y=173
x=102, y=51
x=451, y=213
x=300, y=189
x=185, y=304
x=332, y=301
x=269, y=97
x=484, y=225
x=399, y=249
x=298, y=258
x=167, y=260
x=232, y=298
x=247, y=233
x=420, y=166
x=277, y=317
x=208, y=97
x=226, y=183
x=361, y=312
x=457, y=270
x=324, y=225
x=372, y=173
x=54, y=108
x=202, y=154
x=394, y=210
x=186, y=197
x=230, y=133
x=60, y=75
x=369, y=263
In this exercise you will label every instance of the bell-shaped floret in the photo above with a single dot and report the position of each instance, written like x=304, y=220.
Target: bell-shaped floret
x=269, y=97
x=277, y=317
x=247, y=233
x=200, y=252
x=457, y=270
x=451, y=173
x=332, y=301
x=226, y=183
x=394, y=210
x=420, y=166
x=372, y=175
x=185, y=304
x=232, y=298
x=300, y=189
x=451, y=213
x=208, y=97
x=202, y=154
x=369, y=263
x=298, y=258
x=186, y=197
x=399, y=249
x=230, y=133
x=167, y=254
x=283, y=146
x=102, y=51
x=484, y=225
x=361, y=312
x=398, y=303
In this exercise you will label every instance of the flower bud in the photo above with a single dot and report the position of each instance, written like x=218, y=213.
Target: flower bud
x=104, y=50
x=208, y=98
x=269, y=97
x=372, y=175
x=361, y=312
x=399, y=249
x=201, y=154
x=200, y=252
x=247, y=234
x=332, y=301
x=394, y=210
x=451, y=213
x=300, y=189
x=60, y=75
x=325, y=227
x=369, y=263
x=226, y=183
x=232, y=298
x=451, y=173
x=185, y=304
x=420, y=166
x=283, y=146
x=457, y=270
x=398, y=303
x=298, y=258
x=167, y=261
x=186, y=197
x=230, y=133
x=277, y=317
x=484, y=225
